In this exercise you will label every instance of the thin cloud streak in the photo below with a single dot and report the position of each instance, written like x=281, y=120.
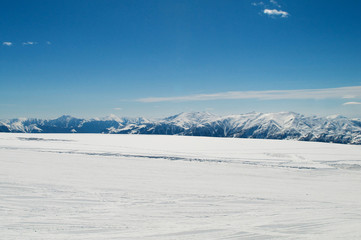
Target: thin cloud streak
x=29, y=43
x=352, y=103
x=325, y=93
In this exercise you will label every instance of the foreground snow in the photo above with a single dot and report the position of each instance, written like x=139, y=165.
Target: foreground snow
x=88, y=186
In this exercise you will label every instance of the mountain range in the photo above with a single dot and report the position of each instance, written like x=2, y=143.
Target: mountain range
x=283, y=125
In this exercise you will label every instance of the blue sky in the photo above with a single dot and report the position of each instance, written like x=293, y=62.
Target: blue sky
x=157, y=58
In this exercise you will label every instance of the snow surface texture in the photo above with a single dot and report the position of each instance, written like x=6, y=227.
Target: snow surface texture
x=283, y=125
x=96, y=186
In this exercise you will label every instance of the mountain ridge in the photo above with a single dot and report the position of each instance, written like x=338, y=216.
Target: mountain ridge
x=281, y=125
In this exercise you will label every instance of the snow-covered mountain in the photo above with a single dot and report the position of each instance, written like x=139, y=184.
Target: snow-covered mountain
x=283, y=125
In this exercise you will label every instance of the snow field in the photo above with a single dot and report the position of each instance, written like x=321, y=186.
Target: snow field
x=94, y=186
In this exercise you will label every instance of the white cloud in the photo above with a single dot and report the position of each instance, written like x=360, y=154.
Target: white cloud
x=352, y=103
x=7, y=44
x=325, y=93
x=118, y=109
x=275, y=12
x=48, y=42
x=29, y=43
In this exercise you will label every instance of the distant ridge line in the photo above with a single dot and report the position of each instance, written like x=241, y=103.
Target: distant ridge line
x=281, y=125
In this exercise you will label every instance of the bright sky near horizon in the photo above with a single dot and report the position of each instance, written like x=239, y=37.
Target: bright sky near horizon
x=156, y=58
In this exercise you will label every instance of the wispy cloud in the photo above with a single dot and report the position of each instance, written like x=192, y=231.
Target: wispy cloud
x=274, y=2
x=29, y=43
x=258, y=3
x=118, y=109
x=325, y=93
x=275, y=12
x=7, y=44
x=352, y=103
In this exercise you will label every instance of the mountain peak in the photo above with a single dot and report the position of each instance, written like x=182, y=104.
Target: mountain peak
x=112, y=117
x=64, y=118
x=191, y=115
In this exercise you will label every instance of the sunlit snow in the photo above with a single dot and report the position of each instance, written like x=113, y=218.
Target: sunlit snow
x=95, y=186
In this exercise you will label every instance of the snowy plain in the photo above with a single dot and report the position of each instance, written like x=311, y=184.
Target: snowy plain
x=99, y=186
